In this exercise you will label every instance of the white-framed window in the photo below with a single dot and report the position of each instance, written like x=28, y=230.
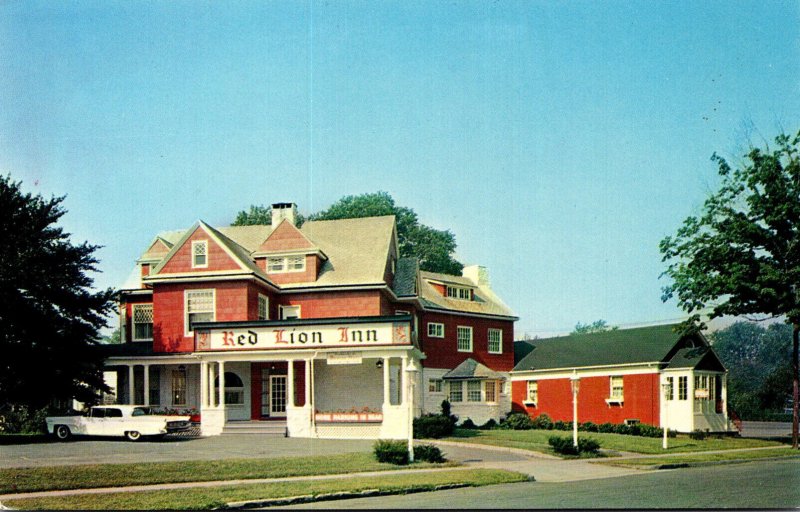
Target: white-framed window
x=200, y=254
x=199, y=307
x=142, y=322
x=435, y=330
x=473, y=391
x=435, y=385
x=617, y=390
x=289, y=312
x=281, y=264
x=683, y=388
x=456, y=391
x=533, y=392
x=234, y=389
x=495, y=341
x=263, y=307
x=459, y=292
x=464, y=338
x=670, y=392
x=178, y=387
x=490, y=390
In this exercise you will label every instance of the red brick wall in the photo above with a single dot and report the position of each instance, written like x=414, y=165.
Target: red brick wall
x=181, y=261
x=443, y=352
x=335, y=304
x=555, y=399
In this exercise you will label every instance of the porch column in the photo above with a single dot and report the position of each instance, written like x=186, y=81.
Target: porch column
x=203, y=384
x=307, y=388
x=404, y=380
x=146, y=384
x=386, y=384
x=211, y=400
x=221, y=384
x=290, y=383
x=131, y=390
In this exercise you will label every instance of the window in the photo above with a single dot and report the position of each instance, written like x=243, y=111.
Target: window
x=670, y=392
x=533, y=392
x=113, y=413
x=435, y=385
x=495, y=341
x=456, y=391
x=683, y=388
x=263, y=307
x=199, y=308
x=290, y=312
x=616, y=389
x=702, y=387
x=200, y=254
x=234, y=389
x=464, y=337
x=179, y=387
x=459, y=292
x=490, y=390
x=473, y=390
x=142, y=322
x=435, y=330
x=282, y=264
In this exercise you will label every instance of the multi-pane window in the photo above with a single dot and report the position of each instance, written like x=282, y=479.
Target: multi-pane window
x=464, y=338
x=178, y=387
x=275, y=265
x=670, y=391
x=435, y=385
x=473, y=391
x=435, y=330
x=263, y=307
x=199, y=308
x=490, y=390
x=199, y=254
x=458, y=292
x=616, y=388
x=457, y=391
x=533, y=391
x=280, y=264
x=683, y=388
x=142, y=322
x=296, y=263
x=495, y=341
x=290, y=312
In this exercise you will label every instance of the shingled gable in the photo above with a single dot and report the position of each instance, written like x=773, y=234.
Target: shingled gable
x=156, y=251
x=656, y=344
x=285, y=237
x=471, y=369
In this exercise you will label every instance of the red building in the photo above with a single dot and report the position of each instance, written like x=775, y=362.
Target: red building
x=318, y=330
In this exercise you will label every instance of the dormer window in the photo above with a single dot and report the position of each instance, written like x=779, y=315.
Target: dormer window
x=459, y=292
x=200, y=254
x=278, y=265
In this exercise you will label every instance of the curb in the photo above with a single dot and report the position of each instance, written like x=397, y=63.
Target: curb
x=681, y=465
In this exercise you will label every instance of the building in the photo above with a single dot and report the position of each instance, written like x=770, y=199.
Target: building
x=321, y=330
x=650, y=375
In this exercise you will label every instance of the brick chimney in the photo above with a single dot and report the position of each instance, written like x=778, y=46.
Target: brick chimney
x=282, y=211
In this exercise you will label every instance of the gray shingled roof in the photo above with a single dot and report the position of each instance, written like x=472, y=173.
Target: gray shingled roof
x=701, y=358
x=405, y=277
x=485, y=301
x=471, y=369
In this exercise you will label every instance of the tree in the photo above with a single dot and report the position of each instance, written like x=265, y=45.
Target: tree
x=49, y=315
x=259, y=215
x=597, y=326
x=741, y=255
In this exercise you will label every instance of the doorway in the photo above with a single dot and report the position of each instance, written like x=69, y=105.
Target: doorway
x=273, y=395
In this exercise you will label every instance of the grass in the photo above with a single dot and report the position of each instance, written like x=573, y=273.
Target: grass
x=700, y=457
x=112, y=475
x=536, y=440
x=207, y=498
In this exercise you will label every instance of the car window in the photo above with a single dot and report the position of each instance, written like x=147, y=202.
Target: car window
x=98, y=413
x=140, y=411
x=113, y=413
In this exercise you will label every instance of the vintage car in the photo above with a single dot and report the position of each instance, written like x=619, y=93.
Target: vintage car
x=131, y=421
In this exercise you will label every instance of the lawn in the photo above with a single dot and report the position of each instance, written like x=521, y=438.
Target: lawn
x=113, y=475
x=699, y=457
x=207, y=498
x=536, y=440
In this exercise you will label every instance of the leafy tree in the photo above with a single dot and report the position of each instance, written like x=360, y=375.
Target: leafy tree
x=114, y=338
x=49, y=316
x=741, y=255
x=259, y=215
x=597, y=326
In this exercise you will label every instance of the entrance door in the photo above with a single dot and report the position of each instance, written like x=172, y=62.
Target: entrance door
x=277, y=395
x=264, y=393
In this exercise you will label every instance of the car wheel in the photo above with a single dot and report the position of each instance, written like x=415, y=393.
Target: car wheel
x=133, y=435
x=62, y=432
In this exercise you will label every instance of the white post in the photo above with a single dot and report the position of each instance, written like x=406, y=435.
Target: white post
x=575, y=382
x=307, y=388
x=386, y=385
x=131, y=389
x=146, y=384
x=290, y=383
x=211, y=400
x=222, y=384
x=203, y=384
x=409, y=370
x=404, y=382
x=665, y=426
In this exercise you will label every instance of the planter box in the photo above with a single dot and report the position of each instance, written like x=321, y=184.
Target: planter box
x=348, y=417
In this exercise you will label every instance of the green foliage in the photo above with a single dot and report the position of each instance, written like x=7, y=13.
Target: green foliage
x=22, y=419
x=588, y=427
x=468, y=424
x=433, y=426
x=393, y=452
x=114, y=338
x=698, y=435
x=565, y=446
x=49, y=315
x=445, y=405
x=596, y=326
x=543, y=422
x=428, y=453
x=489, y=425
x=260, y=215
x=517, y=421
x=562, y=425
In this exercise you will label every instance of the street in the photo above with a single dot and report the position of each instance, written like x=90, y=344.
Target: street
x=767, y=484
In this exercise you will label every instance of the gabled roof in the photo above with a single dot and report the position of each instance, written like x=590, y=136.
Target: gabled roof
x=485, y=301
x=471, y=369
x=617, y=347
x=405, y=277
x=697, y=358
x=285, y=237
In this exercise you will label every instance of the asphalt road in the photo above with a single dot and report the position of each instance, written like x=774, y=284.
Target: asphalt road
x=771, y=484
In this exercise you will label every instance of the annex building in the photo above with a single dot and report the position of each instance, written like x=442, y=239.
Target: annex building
x=318, y=330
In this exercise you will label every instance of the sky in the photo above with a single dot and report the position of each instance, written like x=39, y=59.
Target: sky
x=559, y=141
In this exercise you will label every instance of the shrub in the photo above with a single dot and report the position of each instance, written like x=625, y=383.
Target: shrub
x=432, y=426
x=543, y=421
x=446, y=412
x=698, y=435
x=469, y=424
x=21, y=419
x=428, y=453
x=622, y=428
x=562, y=425
x=517, y=421
x=588, y=445
x=588, y=427
x=606, y=428
x=393, y=452
x=489, y=425
x=564, y=446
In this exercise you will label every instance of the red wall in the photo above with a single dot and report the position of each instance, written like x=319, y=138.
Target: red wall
x=133, y=299
x=181, y=261
x=280, y=369
x=443, y=352
x=309, y=275
x=336, y=304
x=555, y=399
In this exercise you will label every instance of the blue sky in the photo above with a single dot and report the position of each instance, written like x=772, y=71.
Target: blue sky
x=559, y=141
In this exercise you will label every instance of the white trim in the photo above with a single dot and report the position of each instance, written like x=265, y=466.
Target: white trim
x=289, y=252
x=603, y=371
x=471, y=338
x=134, y=307
x=489, y=340
x=282, y=307
x=436, y=324
x=285, y=264
x=196, y=243
x=186, y=293
x=258, y=306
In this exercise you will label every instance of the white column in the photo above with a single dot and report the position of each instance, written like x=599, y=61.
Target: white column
x=203, y=384
x=211, y=401
x=307, y=388
x=404, y=381
x=221, y=384
x=387, y=400
x=290, y=383
x=131, y=389
x=146, y=384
